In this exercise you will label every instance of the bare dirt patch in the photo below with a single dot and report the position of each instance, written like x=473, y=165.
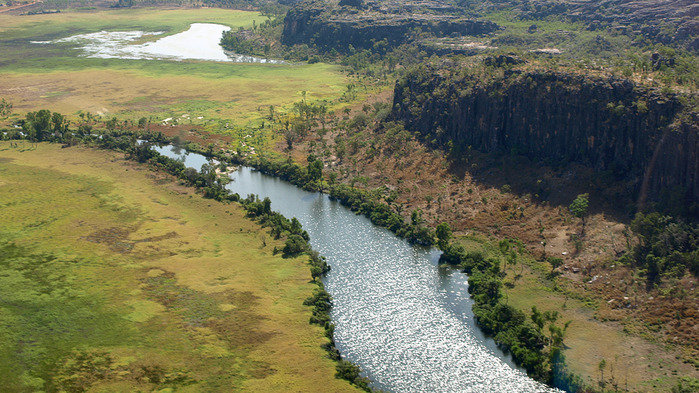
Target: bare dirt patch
x=117, y=239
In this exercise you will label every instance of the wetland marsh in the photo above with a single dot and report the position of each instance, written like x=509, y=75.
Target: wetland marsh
x=59, y=77
x=199, y=42
x=102, y=73
x=122, y=272
x=110, y=269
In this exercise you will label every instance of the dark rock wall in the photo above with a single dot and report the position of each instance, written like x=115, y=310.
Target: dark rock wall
x=327, y=26
x=672, y=22
x=608, y=124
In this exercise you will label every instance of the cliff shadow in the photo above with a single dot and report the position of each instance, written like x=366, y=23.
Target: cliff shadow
x=550, y=183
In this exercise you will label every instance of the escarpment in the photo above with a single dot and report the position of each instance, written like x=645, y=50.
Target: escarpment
x=644, y=137
x=365, y=24
x=634, y=18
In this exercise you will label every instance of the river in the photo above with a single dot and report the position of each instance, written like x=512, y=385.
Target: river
x=406, y=321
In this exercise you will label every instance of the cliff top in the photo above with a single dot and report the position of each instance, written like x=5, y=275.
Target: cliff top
x=379, y=12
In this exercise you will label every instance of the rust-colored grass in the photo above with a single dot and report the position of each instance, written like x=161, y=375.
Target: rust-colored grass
x=632, y=361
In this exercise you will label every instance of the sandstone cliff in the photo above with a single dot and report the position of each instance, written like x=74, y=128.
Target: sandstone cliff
x=328, y=24
x=667, y=21
x=639, y=134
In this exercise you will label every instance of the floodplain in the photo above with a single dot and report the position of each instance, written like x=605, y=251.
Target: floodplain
x=214, y=95
x=118, y=278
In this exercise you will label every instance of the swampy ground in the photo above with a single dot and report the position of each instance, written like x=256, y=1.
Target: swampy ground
x=115, y=277
x=210, y=94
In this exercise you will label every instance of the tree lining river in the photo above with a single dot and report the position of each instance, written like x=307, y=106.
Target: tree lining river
x=405, y=321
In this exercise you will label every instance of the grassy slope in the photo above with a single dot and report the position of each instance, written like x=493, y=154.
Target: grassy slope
x=631, y=361
x=56, y=77
x=173, y=288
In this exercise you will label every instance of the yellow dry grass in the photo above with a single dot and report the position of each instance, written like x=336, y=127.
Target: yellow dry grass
x=58, y=78
x=130, y=95
x=196, y=291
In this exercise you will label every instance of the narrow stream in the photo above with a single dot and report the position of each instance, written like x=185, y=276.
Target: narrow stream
x=406, y=321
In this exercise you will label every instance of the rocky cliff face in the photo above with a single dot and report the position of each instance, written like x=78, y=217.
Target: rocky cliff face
x=361, y=23
x=667, y=21
x=329, y=24
x=609, y=124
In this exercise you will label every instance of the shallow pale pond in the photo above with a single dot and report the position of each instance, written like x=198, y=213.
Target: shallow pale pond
x=200, y=42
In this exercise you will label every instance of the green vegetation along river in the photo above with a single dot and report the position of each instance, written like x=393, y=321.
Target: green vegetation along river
x=401, y=318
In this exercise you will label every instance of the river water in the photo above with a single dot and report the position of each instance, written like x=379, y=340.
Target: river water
x=406, y=321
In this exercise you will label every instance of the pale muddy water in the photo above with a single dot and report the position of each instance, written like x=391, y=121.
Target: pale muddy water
x=200, y=42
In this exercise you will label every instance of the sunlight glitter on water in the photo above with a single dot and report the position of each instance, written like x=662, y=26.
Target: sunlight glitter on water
x=398, y=328
x=405, y=321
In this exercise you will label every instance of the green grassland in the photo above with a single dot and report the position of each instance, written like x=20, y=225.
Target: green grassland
x=64, y=24
x=116, y=278
x=56, y=77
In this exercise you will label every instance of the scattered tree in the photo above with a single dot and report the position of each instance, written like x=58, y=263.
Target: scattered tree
x=555, y=263
x=444, y=235
x=602, y=364
x=579, y=208
x=5, y=109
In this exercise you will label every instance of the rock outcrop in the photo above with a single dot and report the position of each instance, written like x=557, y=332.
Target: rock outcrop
x=667, y=21
x=610, y=124
x=337, y=24
x=362, y=24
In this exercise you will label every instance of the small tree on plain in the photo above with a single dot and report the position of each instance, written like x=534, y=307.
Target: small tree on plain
x=602, y=364
x=579, y=208
x=5, y=109
x=555, y=263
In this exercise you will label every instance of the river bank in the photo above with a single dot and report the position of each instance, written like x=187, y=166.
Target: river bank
x=486, y=200
x=378, y=283
x=185, y=288
x=476, y=202
x=668, y=370
x=589, y=341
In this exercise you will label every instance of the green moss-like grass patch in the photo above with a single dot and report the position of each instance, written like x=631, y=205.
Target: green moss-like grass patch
x=112, y=279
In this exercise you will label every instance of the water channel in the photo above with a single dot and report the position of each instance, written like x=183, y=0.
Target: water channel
x=403, y=319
